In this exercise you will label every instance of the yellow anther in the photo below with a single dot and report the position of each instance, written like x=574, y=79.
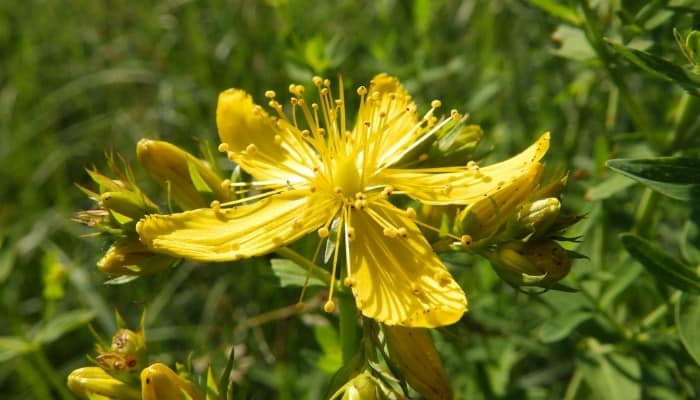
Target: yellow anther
x=338, y=190
x=299, y=307
x=321, y=132
x=314, y=106
x=349, y=281
x=454, y=114
x=403, y=232
x=231, y=156
x=215, y=205
x=423, y=157
x=435, y=104
x=226, y=184
x=323, y=232
x=329, y=307
x=291, y=88
x=327, y=82
x=324, y=92
x=257, y=110
x=410, y=213
x=415, y=289
x=317, y=80
x=305, y=133
x=466, y=240
x=390, y=232
x=251, y=149
x=278, y=139
x=270, y=94
x=361, y=91
x=351, y=233
x=223, y=147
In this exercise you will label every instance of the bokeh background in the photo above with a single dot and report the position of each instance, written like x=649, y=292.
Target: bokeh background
x=81, y=77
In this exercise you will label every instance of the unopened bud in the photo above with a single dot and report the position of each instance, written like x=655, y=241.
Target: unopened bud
x=413, y=353
x=128, y=256
x=160, y=382
x=191, y=182
x=127, y=204
x=91, y=382
x=540, y=263
x=361, y=387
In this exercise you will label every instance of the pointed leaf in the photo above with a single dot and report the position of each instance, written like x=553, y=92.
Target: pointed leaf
x=562, y=325
x=292, y=274
x=688, y=322
x=660, y=68
x=13, y=346
x=64, y=323
x=662, y=265
x=675, y=177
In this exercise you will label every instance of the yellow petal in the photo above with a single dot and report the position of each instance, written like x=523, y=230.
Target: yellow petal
x=158, y=382
x=279, y=153
x=232, y=233
x=463, y=185
x=400, y=280
x=391, y=115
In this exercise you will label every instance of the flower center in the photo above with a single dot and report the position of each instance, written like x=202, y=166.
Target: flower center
x=346, y=176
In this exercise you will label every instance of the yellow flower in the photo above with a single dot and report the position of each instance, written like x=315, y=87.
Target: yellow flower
x=314, y=173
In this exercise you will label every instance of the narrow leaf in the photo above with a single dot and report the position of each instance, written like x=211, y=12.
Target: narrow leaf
x=562, y=325
x=63, y=324
x=675, y=177
x=662, y=265
x=292, y=274
x=13, y=346
x=688, y=322
x=660, y=68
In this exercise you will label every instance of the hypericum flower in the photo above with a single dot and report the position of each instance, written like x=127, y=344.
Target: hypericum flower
x=312, y=172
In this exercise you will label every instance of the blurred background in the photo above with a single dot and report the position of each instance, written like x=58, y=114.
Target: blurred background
x=81, y=77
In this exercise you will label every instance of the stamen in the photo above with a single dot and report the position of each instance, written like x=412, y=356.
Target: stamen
x=223, y=147
x=329, y=307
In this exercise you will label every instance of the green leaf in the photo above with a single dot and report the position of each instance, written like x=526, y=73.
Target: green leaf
x=199, y=183
x=660, y=68
x=292, y=274
x=610, y=375
x=561, y=326
x=675, y=177
x=559, y=10
x=688, y=322
x=328, y=339
x=63, y=324
x=662, y=265
x=13, y=346
x=610, y=186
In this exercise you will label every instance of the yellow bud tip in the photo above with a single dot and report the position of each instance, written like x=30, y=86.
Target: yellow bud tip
x=270, y=94
x=329, y=307
x=223, y=147
x=323, y=232
x=435, y=104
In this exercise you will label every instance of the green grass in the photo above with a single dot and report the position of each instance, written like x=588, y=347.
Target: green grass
x=81, y=77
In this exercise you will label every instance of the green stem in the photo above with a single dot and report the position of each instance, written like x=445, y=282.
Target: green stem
x=314, y=269
x=660, y=312
x=49, y=373
x=349, y=337
x=645, y=212
x=595, y=38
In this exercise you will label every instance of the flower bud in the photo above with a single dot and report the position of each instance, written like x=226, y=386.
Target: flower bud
x=413, y=353
x=539, y=263
x=128, y=256
x=455, y=144
x=484, y=218
x=191, y=182
x=533, y=220
x=160, y=382
x=127, y=206
x=361, y=387
x=87, y=382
